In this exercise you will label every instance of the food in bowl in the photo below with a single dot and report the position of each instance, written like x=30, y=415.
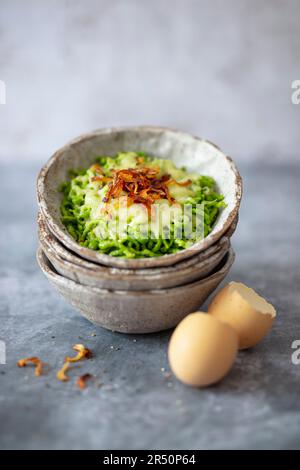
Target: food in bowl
x=136, y=206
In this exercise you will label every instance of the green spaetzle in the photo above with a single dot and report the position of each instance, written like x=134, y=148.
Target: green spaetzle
x=92, y=221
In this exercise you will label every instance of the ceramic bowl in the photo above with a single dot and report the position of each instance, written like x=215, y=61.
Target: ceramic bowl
x=195, y=154
x=85, y=272
x=145, y=311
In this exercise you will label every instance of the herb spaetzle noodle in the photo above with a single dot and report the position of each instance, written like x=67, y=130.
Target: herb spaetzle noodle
x=129, y=187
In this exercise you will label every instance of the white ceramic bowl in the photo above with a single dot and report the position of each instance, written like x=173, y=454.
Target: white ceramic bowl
x=88, y=273
x=195, y=154
x=145, y=311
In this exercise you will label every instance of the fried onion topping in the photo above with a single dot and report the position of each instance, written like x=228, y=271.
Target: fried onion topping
x=141, y=185
x=82, y=380
x=32, y=360
x=61, y=374
x=82, y=353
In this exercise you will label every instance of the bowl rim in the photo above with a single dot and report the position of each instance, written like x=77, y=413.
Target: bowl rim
x=164, y=260
x=49, y=242
x=56, y=278
x=132, y=276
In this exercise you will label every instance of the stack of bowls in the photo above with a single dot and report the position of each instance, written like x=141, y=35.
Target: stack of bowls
x=136, y=295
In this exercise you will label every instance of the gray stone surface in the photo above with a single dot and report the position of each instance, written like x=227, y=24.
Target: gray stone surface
x=137, y=407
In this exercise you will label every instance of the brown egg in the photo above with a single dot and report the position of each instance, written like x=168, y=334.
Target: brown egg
x=202, y=349
x=243, y=309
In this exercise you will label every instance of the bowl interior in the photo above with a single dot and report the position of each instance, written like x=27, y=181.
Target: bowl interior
x=195, y=154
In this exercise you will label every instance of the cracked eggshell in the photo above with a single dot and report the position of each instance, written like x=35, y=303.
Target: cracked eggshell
x=247, y=312
x=202, y=350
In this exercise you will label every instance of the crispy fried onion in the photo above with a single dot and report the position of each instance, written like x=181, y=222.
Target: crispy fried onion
x=102, y=178
x=141, y=185
x=32, y=360
x=82, y=380
x=61, y=374
x=96, y=168
x=82, y=353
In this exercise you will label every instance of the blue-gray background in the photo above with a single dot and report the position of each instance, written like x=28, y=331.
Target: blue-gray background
x=222, y=70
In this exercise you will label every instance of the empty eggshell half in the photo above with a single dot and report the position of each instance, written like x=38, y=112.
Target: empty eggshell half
x=247, y=312
x=202, y=349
